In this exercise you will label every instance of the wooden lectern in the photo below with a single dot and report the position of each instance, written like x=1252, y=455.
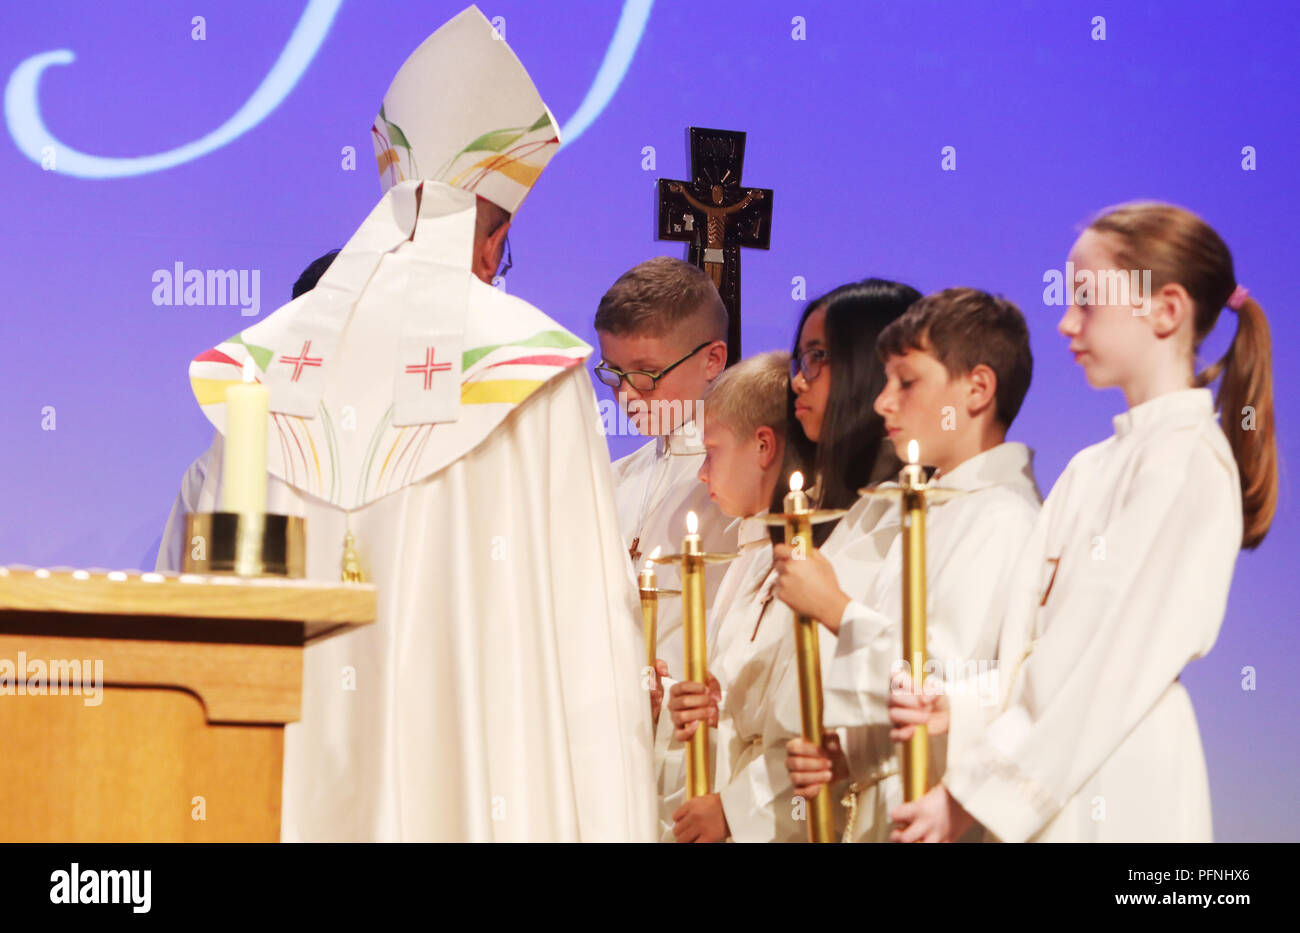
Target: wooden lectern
x=184, y=741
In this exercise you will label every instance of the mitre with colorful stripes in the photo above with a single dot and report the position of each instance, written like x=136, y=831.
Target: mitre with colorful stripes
x=463, y=110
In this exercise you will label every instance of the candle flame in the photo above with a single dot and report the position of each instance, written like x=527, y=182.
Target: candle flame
x=913, y=451
x=250, y=374
x=649, y=563
x=796, y=481
x=692, y=523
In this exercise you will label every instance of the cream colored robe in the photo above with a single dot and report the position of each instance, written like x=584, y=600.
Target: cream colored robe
x=972, y=541
x=758, y=796
x=654, y=487
x=749, y=650
x=498, y=696
x=1123, y=582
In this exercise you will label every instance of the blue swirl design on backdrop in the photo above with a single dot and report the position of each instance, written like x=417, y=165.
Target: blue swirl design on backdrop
x=23, y=112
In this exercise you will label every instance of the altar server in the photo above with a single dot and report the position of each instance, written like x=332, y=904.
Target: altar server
x=662, y=329
x=958, y=366
x=1125, y=578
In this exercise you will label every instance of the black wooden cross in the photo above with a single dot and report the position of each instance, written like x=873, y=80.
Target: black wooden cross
x=717, y=216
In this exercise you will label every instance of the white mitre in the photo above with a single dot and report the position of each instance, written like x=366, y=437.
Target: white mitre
x=364, y=368
x=463, y=110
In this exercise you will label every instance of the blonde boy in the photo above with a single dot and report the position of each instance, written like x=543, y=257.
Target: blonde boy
x=749, y=647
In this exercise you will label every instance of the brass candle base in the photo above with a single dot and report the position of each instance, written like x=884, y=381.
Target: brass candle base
x=252, y=544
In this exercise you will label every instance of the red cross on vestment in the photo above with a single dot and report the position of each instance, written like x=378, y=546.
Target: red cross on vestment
x=301, y=360
x=428, y=368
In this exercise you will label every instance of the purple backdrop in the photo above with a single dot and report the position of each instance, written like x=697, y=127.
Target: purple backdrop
x=847, y=125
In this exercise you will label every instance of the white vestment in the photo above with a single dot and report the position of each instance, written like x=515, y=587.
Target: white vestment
x=497, y=696
x=972, y=541
x=1123, y=582
x=764, y=714
x=655, y=487
x=748, y=653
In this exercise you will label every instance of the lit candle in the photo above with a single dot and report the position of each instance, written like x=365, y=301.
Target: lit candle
x=916, y=750
x=796, y=500
x=696, y=652
x=798, y=535
x=648, y=584
x=912, y=474
x=243, y=463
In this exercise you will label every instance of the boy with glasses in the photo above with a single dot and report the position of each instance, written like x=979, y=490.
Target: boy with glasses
x=662, y=330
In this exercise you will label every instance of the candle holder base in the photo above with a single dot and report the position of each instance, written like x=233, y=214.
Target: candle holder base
x=248, y=544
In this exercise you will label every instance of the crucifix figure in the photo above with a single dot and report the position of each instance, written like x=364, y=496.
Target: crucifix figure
x=717, y=216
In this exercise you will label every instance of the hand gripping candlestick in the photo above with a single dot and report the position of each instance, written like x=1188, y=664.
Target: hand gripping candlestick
x=798, y=519
x=693, y=559
x=914, y=493
x=650, y=590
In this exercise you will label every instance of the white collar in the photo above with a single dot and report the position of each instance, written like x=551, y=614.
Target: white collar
x=752, y=530
x=1175, y=407
x=1007, y=463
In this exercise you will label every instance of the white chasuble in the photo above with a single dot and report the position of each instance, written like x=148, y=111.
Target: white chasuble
x=498, y=695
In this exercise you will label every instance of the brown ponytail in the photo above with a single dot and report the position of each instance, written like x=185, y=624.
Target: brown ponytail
x=1177, y=246
x=1245, y=402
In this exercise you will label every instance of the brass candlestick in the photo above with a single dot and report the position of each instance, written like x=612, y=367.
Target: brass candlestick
x=914, y=492
x=798, y=518
x=695, y=647
x=249, y=544
x=650, y=591
x=916, y=750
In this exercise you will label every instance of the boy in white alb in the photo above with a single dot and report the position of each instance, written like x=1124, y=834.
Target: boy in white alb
x=958, y=365
x=662, y=329
x=750, y=643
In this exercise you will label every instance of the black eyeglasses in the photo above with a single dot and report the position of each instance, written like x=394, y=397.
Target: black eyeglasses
x=639, y=379
x=809, y=362
x=506, y=261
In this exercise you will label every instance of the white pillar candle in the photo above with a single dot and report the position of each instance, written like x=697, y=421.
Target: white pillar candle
x=243, y=464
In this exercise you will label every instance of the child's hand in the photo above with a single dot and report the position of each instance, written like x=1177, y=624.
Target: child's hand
x=689, y=703
x=811, y=768
x=936, y=817
x=700, y=819
x=908, y=709
x=657, y=689
x=807, y=585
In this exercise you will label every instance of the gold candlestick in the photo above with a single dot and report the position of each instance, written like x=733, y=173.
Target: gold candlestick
x=916, y=750
x=648, y=586
x=696, y=650
x=798, y=519
x=798, y=535
x=913, y=493
x=650, y=591
x=694, y=643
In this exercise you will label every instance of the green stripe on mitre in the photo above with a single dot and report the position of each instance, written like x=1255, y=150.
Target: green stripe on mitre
x=551, y=339
x=261, y=355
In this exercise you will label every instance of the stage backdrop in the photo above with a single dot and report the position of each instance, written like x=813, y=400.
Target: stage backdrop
x=936, y=143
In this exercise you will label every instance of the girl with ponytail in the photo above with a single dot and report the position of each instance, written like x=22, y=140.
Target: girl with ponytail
x=1125, y=578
